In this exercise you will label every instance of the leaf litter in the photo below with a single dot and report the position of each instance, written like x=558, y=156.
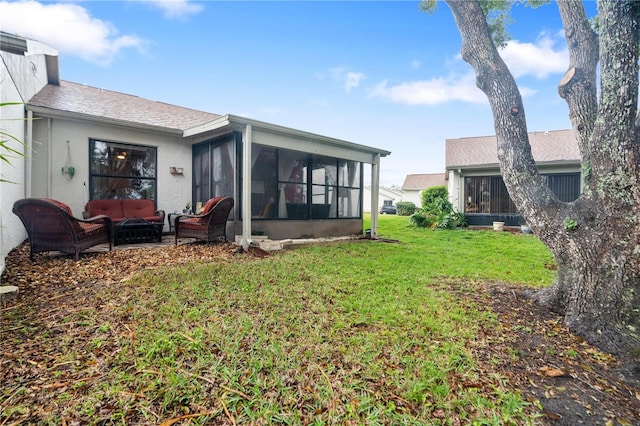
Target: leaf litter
x=558, y=373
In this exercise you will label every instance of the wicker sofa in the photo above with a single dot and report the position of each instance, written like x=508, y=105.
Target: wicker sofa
x=119, y=210
x=51, y=226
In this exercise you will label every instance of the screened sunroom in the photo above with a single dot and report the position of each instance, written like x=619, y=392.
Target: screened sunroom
x=286, y=183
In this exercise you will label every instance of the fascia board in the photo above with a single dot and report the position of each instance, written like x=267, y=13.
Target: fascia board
x=238, y=123
x=490, y=166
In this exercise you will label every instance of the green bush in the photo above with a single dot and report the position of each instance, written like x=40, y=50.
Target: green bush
x=437, y=211
x=422, y=219
x=405, y=208
x=429, y=195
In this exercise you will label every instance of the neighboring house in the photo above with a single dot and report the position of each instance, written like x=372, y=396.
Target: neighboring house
x=89, y=143
x=386, y=197
x=414, y=184
x=476, y=186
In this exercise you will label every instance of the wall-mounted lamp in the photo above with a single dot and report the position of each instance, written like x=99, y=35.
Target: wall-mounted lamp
x=70, y=171
x=121, y=155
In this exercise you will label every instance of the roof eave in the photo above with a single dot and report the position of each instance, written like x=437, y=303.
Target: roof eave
x=489, y=166
x=237, y=123
x=56, y=113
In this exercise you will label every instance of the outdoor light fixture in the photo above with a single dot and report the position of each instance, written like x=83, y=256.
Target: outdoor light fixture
x=70, y=171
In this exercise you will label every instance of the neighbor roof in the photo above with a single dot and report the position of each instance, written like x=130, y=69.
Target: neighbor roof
x=95, y=102
x=423, y=181
x=546, y=147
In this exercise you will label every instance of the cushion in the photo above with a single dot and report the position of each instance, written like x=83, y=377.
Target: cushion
x=75, y=224
x=60, y=204
x=90, y=229
x=191, y=223
x=138, y=208
x=111, y=208
x=212, y=202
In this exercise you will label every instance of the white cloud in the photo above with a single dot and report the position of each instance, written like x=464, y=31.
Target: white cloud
x=352, y=79
x=176, y=8
x=538, y=59
x=431, y=92
x=67, y=27
x=348, y=79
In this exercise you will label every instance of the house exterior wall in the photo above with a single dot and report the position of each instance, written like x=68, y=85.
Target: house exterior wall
x=21, y=76
x=12, y=232
x=413, y=196
x=53, y=152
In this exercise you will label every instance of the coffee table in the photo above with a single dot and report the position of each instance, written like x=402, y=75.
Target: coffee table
x=134, y=230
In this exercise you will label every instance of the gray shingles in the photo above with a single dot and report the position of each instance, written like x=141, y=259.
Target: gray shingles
x=422, y=181
x=92, y=101
x=552, y=146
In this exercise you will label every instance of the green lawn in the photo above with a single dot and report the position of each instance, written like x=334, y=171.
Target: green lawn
x=351, y=333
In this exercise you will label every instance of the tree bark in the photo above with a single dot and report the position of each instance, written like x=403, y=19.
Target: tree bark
x=595, y=239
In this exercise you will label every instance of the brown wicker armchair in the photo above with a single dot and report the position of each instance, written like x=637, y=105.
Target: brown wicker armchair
x=209, y=225
x=51, y=226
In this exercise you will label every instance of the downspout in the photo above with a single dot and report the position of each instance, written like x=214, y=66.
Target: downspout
x=375, y=194
x=246, y=187
x=50, y=159
x=28, y=156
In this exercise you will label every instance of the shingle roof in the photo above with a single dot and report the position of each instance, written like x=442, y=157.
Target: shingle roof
x=558, y=145
x=92, y=101
x=423, y=181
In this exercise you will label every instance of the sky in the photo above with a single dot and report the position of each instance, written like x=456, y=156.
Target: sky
x=378, y=73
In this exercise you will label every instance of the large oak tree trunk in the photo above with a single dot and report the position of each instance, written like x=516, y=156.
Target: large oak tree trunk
x=596, y=239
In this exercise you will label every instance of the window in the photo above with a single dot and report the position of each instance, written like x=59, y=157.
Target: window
x=349, y=176
x=324, y=181
x=566, y=186
x=295, y=185
x=264, y=182
x=122, y=171
x=292, y=184
x=488, y=194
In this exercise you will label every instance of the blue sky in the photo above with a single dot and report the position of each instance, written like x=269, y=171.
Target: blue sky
x=378, y=73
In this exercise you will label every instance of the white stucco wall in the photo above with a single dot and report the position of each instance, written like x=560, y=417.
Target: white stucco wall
x=21, y=77
x=53, y=153
x=12, y=232
x=456, y=191
x=411, y=195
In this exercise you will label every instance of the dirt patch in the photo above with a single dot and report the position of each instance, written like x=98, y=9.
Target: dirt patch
x=574, y=383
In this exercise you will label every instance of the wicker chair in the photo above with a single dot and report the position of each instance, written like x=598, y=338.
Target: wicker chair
x=208, y=226
x=51, y=226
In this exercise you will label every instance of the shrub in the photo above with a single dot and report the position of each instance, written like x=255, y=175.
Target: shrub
x=437, y=211
x=405, y=208
x=429, y=195
x=422, y=219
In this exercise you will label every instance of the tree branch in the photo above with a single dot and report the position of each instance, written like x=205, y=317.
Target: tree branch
x=578, y=86
x=617, y=162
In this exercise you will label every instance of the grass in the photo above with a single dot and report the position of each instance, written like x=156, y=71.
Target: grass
x=350, y=333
